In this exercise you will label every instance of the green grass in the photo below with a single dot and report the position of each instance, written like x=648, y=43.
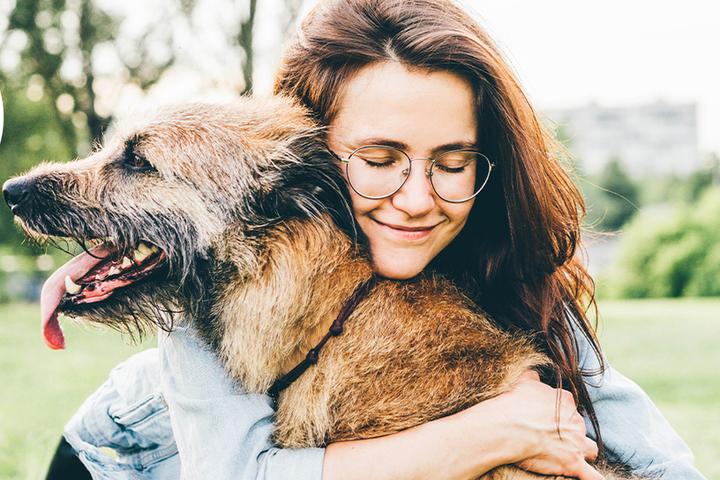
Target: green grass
x=40, y=388
x=670, y=347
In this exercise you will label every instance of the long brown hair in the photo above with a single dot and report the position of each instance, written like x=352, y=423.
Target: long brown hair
x=517, y=255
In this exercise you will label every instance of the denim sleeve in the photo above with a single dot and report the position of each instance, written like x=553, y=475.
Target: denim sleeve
x=221, y=433
x=126, y=414
x=632, y=428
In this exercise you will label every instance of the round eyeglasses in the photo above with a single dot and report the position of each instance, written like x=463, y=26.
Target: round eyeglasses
x=378, y=171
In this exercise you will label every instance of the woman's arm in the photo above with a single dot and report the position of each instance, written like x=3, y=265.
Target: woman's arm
x=223, y=434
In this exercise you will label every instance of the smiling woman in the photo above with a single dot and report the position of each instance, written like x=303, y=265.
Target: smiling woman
x=379, y=107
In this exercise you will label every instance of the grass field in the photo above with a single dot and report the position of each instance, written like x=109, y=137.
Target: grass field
x=41, y=388
x=670, y=347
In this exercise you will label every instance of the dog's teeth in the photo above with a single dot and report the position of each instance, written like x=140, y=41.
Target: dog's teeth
x=113, y=271
x=100, y=277
x=142, y=252
x=126, y=262
x=71, y=287
x=144, y=248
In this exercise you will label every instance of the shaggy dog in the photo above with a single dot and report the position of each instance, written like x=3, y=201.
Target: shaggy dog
x=238, y=217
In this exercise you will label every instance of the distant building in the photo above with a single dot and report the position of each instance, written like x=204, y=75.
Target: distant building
x=647, y=140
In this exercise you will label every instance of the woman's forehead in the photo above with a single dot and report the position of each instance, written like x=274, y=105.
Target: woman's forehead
x=406, y=108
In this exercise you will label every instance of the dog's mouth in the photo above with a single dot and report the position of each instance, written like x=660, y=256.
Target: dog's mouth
x=92, y=277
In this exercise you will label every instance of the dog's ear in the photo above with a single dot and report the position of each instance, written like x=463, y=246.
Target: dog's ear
x=315, y=188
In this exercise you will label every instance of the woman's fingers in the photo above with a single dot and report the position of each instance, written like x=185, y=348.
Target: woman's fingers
x=561, y=446
x=591, y=450
x=575, y=430
x=583, y=471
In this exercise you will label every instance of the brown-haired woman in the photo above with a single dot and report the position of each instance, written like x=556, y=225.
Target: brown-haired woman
x=419, y=78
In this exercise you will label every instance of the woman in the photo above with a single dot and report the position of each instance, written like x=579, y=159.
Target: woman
x=417, y=78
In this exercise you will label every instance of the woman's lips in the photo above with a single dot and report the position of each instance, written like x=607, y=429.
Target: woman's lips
x=405, y=232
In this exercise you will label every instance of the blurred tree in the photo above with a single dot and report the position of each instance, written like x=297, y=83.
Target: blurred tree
x=680, y=190
x=62, y=44
x=697, y=183
x=291, y=11
x=245, y=41
x=68, y=49
x=618, y=199
x=701, y=180
x=714, y=162
x=31, y=135
x=672, y=255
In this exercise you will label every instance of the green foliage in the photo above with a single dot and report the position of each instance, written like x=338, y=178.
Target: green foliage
x=612, y=197
x=31, y=135
x=676, y=190
x=620, y=195
x=673, y=252
x=59, y=34
x=697, y=183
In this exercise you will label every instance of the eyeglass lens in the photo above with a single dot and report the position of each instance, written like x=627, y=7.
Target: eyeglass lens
x=378, y=172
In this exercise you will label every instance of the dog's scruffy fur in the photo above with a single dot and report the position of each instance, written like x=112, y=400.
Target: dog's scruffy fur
x=260, y=252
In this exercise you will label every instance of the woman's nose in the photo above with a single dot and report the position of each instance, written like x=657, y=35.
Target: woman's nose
x=416, y=197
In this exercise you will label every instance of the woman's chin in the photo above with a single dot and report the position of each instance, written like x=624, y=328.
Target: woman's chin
x=398, y=270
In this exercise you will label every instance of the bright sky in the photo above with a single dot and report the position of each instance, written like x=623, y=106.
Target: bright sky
x=570, y=53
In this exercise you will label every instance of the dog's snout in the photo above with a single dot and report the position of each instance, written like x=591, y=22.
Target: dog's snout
x=16, y=191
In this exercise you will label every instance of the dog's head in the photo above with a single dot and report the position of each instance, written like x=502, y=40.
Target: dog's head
x=156, y=202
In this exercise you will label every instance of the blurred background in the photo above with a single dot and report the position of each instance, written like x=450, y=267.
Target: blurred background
x=631, y=87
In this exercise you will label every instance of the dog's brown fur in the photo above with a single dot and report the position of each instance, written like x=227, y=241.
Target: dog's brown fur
x=252, y=213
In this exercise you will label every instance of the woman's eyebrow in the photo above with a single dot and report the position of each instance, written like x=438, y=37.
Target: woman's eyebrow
x=386, y=142
x=460, y=145
x=467, y=145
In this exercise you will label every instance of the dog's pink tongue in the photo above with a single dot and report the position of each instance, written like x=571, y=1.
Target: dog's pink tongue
x=54, y=289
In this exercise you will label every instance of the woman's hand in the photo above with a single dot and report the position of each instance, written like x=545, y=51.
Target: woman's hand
x=545, y=432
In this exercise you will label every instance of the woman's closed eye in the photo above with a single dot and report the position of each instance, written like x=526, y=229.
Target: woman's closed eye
x=380, y=162
x=451, y=166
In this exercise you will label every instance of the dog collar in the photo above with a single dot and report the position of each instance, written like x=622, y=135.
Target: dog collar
x=312, y=357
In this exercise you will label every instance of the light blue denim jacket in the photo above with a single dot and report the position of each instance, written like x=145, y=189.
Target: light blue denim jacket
x=172, y=413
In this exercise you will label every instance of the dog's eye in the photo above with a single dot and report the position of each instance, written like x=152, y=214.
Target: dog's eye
x=137, y=161
x=132, y=157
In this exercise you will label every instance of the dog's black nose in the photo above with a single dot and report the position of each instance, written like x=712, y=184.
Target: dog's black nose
x=16, y=191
